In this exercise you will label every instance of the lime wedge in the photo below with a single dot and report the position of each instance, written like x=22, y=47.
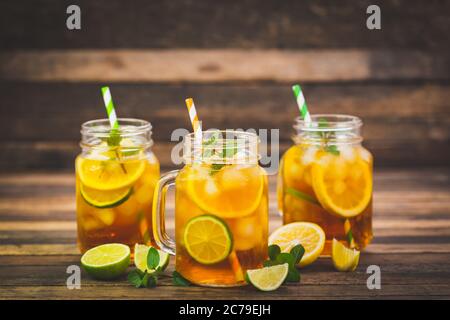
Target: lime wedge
x=107, y=261
x=105, y=199
x=140, y=258
x=344, y=259
x=268, y=278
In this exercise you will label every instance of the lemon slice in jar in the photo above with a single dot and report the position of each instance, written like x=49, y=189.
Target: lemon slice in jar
x=108, y=174
x=342, y=188
x=234, y=191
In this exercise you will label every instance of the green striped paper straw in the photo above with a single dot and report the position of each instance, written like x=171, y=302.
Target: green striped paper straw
x=109, y=105
x=112, y=117
x=304, y=113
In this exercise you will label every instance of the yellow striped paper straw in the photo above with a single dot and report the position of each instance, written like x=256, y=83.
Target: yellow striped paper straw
x=196, y=124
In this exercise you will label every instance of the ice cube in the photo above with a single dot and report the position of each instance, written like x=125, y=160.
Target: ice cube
x=365, y=155
x=347, y=152
x=309, y=155
x=211, y=187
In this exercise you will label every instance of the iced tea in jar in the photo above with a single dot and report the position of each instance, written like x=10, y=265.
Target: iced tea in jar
x=116, y=174
x=326, y=178
x=221, y=209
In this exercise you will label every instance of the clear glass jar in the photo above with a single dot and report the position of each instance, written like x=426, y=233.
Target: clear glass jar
x=221, y=209
x=326, y=178
x=116, y=174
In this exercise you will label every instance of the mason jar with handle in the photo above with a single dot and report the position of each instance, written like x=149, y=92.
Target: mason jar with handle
x=221, y=209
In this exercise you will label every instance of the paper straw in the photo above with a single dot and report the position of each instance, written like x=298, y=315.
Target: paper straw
x=301, y=102
x=109, y=105
x=112, y=117
x=196, y=124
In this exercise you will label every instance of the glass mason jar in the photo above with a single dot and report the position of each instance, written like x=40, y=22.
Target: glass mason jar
x=326, y=178
x=221, y=209
x=116, y=174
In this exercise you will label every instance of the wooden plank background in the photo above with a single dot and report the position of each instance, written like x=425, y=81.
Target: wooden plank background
x=238, y=59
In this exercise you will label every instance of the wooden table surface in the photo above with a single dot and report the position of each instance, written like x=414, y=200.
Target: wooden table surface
x=411, y=245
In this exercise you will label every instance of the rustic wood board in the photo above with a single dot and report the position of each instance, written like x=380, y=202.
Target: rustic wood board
x=411, y=245
x=230, y=24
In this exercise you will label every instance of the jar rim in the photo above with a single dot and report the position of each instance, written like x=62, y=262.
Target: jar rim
x=129, y=127
x=334, y=122
x=243, y=150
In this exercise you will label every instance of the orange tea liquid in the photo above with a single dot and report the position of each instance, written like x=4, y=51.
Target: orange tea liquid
x=115, y=179
x=231, y=196
x=327, y=188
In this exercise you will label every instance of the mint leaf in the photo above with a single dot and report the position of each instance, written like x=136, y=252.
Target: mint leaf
x=135, y=278
x=333, y=149
x=208, y=145
x=229, y=149
x=293, y=275
x=297, y=252
x=179, y=280
x=151, y=281
x=152, y=258
x=349, y=237
x=114, y=138
x=215, y=167
x=274, y=251
x=285, y=257
x=270, y=263
x=323, y=123
x=302, y=195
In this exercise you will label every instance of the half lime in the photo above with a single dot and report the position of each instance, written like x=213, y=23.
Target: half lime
x=107, y=261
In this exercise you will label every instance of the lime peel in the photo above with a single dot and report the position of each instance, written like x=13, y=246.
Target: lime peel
x=107, y=261
x=268, y=278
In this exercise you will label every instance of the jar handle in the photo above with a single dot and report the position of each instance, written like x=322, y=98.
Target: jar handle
x=163, y=241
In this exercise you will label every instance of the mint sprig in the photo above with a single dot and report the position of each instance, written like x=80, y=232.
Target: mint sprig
x=292, y=258
x=144, y=279
x=179, y=280
x=333, y=149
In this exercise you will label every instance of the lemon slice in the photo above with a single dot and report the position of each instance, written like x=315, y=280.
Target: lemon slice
x=108, y=174
x=309, y=235
x=344, y=259
x=268, y=278
x=230, y=193
x=344, y=189
x=107, y=261
x=105, y=199
x=140, y=258
x=207, y=239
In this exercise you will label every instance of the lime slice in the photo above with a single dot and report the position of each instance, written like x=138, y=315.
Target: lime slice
x=208, y=239
x=105, y=199
x=140, y=258
x=344, y=259
x=268, y=278
x=107, y=261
